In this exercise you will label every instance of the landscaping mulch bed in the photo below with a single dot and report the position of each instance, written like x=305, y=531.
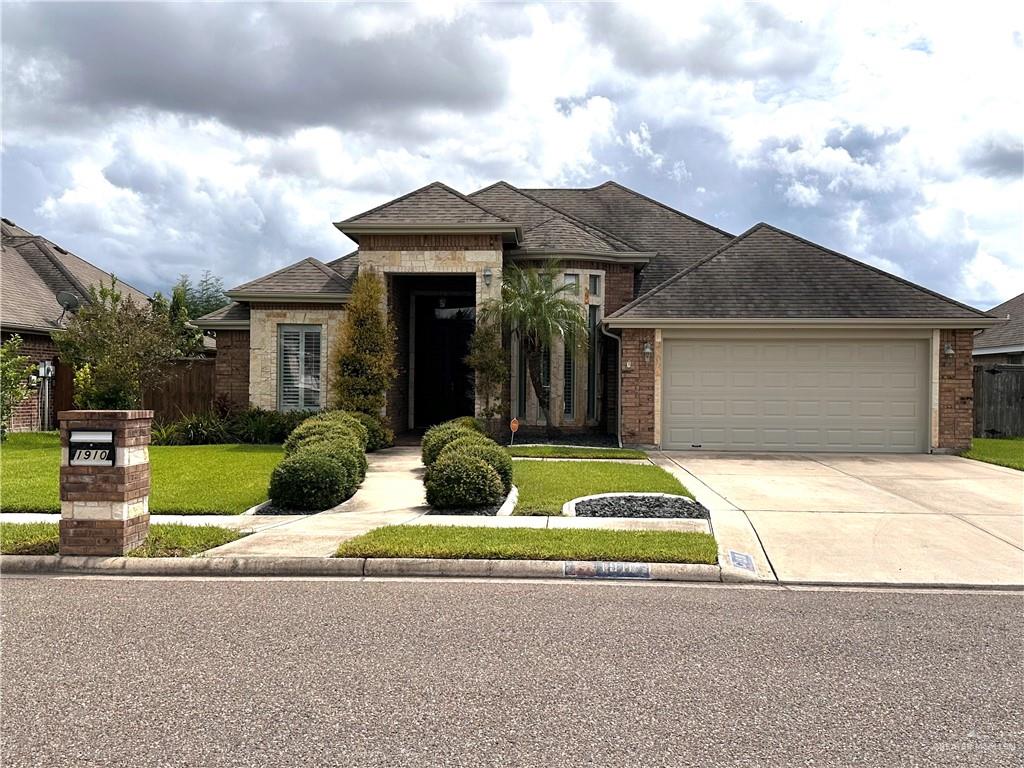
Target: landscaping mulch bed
x=642, y=506
x=471, y=511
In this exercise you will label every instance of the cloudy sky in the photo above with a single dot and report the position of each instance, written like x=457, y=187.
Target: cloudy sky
x=159, y=139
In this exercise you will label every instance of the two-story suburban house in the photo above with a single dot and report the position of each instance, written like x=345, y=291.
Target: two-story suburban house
x=699, y=338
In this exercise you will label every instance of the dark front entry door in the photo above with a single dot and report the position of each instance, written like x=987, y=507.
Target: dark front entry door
x=443, y=382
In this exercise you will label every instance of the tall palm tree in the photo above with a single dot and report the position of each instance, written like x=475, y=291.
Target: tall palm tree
x=538, y=308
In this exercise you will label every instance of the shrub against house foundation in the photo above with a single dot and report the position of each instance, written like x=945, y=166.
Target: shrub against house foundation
x=15, y=369
x=366, y=357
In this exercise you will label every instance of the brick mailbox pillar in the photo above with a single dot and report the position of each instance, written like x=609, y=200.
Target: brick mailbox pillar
x=104, y=481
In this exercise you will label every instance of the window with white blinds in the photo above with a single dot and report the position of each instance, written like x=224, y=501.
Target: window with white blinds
x=298, y=378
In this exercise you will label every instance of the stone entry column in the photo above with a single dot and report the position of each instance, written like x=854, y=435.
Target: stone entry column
x=104, y=487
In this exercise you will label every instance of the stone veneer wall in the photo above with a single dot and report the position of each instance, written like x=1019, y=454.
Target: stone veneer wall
x=231, y=366
x=430, y=254
x=639, y=381
x=956, y=389
x=264, y=318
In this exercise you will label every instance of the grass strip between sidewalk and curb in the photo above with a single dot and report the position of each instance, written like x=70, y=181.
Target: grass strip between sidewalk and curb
x=1004, y=452
x=186, y=479
x=465, y=542
x=544, y=486
x=164, y=539
x=573, y=452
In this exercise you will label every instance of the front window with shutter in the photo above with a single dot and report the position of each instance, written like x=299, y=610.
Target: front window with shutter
x=298, y=384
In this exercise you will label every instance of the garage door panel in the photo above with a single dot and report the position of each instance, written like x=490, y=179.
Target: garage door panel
x=798, y=395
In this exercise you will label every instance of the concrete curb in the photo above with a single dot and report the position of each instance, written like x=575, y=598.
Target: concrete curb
x=356, y=566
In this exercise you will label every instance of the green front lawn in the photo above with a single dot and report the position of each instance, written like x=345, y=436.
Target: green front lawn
x=186, y=479
x=532, y=544
x=573, y=452
x=544, y=486
x=164, y=540
x=1006, y=452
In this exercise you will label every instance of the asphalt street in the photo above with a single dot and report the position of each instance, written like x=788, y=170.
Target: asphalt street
x=148, y=672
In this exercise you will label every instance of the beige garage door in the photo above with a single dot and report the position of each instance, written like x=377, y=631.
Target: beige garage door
x=800, y=395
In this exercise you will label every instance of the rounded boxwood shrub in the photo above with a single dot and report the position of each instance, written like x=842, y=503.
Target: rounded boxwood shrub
x=379, y=436
x=308, y=481
x=346, y=419
x=345, y=451
x=469, y=423
x=488, y=450
x=313, y=430
x=437, y=437
x=458, y=481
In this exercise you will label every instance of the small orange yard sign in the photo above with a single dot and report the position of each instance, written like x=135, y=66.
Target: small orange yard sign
x=514, y=426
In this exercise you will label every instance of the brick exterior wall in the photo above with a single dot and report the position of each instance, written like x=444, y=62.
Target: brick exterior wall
x=638, y=384
x=232, y=368
x=956, y=390
x=28, y=414
x=429, y=242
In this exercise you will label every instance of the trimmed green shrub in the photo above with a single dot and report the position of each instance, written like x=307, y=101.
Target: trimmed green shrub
x=459, y=481
x=378, y=436
x=309, y=481
x=437, y=437
x=314, y=429
x=469, y=423
x=343, y=450
x=348, y=420
x=488, y=450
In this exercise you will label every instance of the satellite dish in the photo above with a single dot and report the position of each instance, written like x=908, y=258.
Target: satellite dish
x=69, y=301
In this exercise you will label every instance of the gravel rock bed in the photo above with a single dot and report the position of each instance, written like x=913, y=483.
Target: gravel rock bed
x=642, y=506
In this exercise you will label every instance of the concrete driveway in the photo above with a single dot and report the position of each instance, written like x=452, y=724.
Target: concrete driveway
x=868, y=519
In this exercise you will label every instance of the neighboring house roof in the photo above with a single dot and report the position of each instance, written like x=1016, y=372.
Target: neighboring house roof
x=767, y=273
x=309, y=278
x=34, y=271
x=648, y=225
x=1008, y=334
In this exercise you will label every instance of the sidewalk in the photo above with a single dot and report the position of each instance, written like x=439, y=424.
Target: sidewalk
x=391, y=494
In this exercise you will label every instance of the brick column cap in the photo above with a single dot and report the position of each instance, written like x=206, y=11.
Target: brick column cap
x=125, y=415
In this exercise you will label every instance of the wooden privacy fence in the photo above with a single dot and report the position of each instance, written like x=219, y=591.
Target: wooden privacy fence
x=188, y=389
x=998, y=400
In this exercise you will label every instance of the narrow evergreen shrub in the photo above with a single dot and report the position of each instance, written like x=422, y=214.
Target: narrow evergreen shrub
x=488, y=450
x=379, y=436
x=365, y=360
x=437, y=437
x=459, y=481
x=308, y=481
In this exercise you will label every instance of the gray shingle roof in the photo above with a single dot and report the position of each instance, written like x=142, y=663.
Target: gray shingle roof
x=1008, y=333
x=346, y=266
x=768, y=273
x=678, y=239
x=230, y=313
x=308, y=276
x=435, y=203
x=34, y=270
x=558, y=233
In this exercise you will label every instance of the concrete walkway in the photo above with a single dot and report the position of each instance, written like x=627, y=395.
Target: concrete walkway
x=391, y=494
x=863, y=519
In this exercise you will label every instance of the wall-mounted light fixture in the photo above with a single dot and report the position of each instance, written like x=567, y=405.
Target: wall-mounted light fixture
x=488, y=274
x=947, y=349
x=648, y=351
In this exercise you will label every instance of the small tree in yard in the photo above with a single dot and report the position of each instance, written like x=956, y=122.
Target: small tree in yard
x=366, y=357
x=487, y=358
x=15, y=369
x=538, y=308
x=118, y=349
